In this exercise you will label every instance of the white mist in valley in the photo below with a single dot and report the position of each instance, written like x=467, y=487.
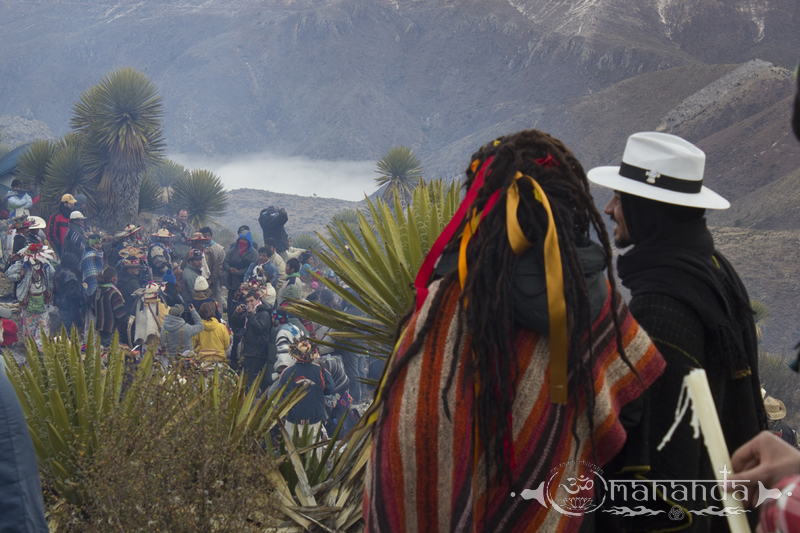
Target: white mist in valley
x=346, y=180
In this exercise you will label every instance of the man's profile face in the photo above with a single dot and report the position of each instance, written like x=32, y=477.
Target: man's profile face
x=622, y=238
x=182, y=216
x=270, y=249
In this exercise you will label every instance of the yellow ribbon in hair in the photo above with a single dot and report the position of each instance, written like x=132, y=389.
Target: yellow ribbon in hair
x=554, y=277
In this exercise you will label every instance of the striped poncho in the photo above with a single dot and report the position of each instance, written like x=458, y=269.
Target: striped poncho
x=422, y=474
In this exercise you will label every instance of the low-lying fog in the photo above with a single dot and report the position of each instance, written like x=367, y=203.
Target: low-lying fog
x=347, y=180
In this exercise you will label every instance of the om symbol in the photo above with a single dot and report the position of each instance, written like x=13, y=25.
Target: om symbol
x=676, y=513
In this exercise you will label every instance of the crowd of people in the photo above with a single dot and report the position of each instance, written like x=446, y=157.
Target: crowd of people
x=167, y=291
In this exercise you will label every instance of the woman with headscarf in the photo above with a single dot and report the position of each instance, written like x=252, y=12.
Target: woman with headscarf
x=513, y=364
x=34, y=289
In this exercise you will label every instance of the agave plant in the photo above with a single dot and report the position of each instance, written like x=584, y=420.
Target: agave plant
x=120, y=122
x=306, y=241
x=203, y=196
x=381, y=270
x=399, y=170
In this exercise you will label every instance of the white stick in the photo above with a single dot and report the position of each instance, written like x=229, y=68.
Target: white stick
x=704, y=418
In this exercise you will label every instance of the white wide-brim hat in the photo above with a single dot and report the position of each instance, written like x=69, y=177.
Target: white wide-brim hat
x=661, y=167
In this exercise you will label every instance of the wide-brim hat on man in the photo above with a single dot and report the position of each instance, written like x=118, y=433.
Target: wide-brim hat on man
x=163, y=233
x=131, y=251
x=131, y=262
x=198, y=237
x=127, y=231
x=22, y=221
x=774, y=408
x=661, y=167
x=37, y=222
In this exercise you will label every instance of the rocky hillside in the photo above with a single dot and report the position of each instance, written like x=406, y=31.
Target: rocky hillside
x=307, y=214
x=346, y=79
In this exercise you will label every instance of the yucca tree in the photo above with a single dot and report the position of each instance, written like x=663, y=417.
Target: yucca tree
x=203, y=196
x=120, y=122
x=166, y=173
x=150, y=195
x=400, y=170
x=66, y=173
x=381, y=270
x=32, y=164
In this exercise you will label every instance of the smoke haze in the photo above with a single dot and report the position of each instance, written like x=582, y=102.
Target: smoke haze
x=347, y=180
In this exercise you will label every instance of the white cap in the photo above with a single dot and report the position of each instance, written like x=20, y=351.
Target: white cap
x=76, y=215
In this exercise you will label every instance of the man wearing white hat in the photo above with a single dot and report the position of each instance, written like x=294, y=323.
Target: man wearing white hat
x=691, y=302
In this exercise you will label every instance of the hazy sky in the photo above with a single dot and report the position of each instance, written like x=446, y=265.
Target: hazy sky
x=347, y=180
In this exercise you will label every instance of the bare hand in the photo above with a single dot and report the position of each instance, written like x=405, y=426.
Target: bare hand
x=766, y=458
x=191, y=307
x=234, y=271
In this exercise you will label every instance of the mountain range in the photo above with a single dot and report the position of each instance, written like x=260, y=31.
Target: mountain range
x=347, y=79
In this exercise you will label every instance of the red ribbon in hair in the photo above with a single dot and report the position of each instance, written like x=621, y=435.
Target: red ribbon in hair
x=429, y=264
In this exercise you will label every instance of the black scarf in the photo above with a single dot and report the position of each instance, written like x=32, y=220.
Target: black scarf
x=675, y=256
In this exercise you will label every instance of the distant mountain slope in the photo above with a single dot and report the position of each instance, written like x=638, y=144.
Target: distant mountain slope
x=346, y=79
x=306, y=214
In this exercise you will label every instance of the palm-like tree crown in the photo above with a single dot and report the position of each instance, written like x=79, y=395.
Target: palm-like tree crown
x=400, y=169
x=203, y=196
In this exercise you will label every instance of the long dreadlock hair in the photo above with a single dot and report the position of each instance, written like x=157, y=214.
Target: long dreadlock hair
x=489, y=284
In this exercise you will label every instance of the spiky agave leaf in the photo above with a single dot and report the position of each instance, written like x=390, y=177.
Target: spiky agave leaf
x=399, y=170
x=150, y=196
x=203, y=196
x=380, y=268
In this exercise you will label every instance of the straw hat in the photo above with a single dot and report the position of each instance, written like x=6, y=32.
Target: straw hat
x=163, y=233
x=128, y=230
x=775, y=408
x=37, y=222
x=661, y=167
x=131, y=251
x=199, y=237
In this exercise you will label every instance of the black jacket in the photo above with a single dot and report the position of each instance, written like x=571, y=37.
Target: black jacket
x=126, y=284
x=257, y=328
x=272, y=226
x=240, y=262
x=312, y=407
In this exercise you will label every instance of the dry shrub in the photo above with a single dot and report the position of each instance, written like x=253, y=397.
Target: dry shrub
x=170, y=465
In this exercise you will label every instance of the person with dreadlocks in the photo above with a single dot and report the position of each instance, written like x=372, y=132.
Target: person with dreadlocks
x=515, y=359
x=690, y=300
